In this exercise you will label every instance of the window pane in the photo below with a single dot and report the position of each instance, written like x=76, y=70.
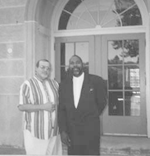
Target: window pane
x=64, y=72
x=132, y=77
x=115, y=77
x=128, y=96
x=72, y=23
x=110, y=19
x=115, y=52
x=131, y=51
x=82, y=50
x=129, y=13
x=67, y=50
x=126, y=51
x=132, y=103
x=115, y=103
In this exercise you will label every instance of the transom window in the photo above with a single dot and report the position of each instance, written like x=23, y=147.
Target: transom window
x=89, y=14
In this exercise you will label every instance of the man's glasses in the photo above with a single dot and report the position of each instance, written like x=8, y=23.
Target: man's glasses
x=45, y=68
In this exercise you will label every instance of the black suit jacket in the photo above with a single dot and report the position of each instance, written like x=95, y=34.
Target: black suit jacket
x=82, y=123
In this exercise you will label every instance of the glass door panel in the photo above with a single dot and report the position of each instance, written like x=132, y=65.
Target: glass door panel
x=115, y=103
x=74, y=48
x=124, y=56
x=132, y=103
x=115, y=77
x=69, y=46
x=123, y=75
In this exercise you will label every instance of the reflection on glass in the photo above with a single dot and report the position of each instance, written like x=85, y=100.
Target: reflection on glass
x=131, y=51
x=128, y=16
x=115, y=52
x=132, y=103
x=115, y=77
x=126, y=51
x=132, y=77
x=116, y=103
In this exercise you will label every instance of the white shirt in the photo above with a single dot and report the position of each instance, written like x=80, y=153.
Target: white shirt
x=77, y=86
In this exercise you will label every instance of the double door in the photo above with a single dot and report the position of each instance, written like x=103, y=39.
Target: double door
x=119, y=59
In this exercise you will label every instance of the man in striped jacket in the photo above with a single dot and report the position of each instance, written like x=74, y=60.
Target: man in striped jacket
x=38, y=101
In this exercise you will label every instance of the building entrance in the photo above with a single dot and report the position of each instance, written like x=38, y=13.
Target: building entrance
x=119, y=59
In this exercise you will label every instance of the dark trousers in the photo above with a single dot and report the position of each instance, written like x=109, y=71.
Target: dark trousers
x=84, y=150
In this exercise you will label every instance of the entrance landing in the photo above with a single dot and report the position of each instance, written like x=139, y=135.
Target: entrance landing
x=110, y=146
x=125, y=146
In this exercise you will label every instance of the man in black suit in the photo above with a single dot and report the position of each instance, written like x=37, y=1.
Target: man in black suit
x=82, y=99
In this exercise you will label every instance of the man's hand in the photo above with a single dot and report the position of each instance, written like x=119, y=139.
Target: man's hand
x=65, y=138
x=49, y=107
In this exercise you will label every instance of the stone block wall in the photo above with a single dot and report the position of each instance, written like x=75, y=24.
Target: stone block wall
x=12, y=69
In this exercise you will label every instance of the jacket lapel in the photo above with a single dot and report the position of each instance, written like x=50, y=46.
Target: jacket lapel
x=69, y=92
x=84, y=91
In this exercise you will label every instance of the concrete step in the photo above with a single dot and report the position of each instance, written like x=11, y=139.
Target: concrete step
x=122, y=146
x=110, y=146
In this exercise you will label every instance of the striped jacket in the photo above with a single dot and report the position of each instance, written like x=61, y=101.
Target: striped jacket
x=35, y=92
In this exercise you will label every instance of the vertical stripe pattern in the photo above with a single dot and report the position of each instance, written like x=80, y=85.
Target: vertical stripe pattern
x=35, y=92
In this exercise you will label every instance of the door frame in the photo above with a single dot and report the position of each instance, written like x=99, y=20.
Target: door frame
x=97, y=43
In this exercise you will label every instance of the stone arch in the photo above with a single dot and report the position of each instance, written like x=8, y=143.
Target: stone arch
x=30, y=10
x=38, y=15
x=40, y=11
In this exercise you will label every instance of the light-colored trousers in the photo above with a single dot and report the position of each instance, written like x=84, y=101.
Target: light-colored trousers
x=35, y=146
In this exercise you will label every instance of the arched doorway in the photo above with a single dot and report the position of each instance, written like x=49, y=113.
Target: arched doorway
x=104, y=33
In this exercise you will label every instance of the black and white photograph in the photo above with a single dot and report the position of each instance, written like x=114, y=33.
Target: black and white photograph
x=75, y=77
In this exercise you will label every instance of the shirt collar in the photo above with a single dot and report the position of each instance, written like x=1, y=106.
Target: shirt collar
x=42, y=81
x=81, y=77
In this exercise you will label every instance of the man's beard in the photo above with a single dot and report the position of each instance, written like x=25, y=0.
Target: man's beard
x=76, y=71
